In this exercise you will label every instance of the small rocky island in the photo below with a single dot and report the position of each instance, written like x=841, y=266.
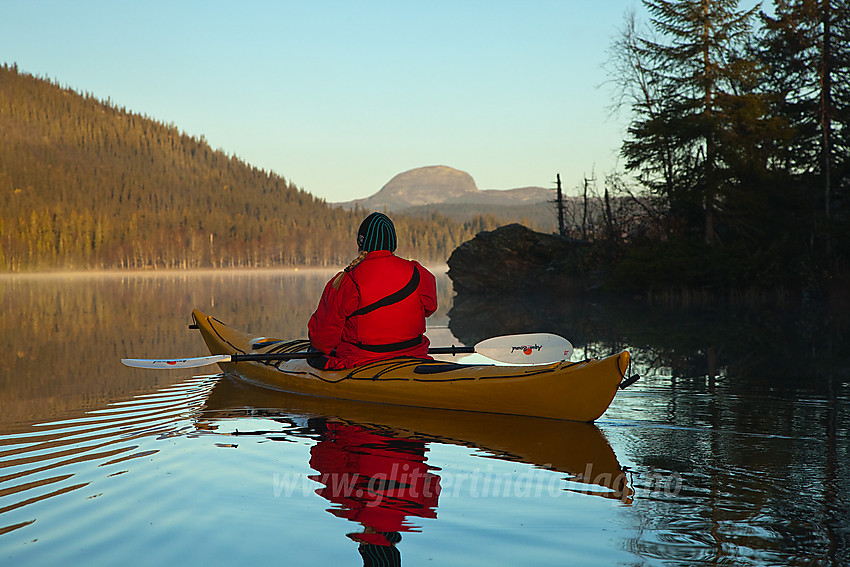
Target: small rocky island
x=515, y=259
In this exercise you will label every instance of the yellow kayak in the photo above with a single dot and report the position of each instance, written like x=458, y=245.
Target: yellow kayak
x=579, y=391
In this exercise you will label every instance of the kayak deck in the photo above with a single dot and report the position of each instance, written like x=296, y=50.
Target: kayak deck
x=579, y=391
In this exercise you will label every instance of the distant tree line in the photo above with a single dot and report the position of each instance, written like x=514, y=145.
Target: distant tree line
x=87, y=185
x=738, y=146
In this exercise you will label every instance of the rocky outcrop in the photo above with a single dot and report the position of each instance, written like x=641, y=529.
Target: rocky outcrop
x=514, y=259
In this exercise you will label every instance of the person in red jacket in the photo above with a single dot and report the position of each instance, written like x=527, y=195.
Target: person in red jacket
x=376, y=308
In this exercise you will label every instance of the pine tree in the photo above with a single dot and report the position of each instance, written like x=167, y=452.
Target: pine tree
x=686, y=85
x=806, y=44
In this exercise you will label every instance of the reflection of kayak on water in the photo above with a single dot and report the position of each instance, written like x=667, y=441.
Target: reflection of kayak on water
x=579, y=450
x=580, y=391
x=371, y=463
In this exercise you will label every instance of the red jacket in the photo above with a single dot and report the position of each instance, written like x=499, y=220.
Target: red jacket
x=353, y=326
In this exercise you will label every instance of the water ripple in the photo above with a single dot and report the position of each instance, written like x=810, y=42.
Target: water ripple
x=63, y=456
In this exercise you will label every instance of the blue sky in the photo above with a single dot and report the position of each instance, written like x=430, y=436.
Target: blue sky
x=340, y=96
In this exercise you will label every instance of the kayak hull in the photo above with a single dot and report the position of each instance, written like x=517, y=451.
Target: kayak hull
x=579, y=391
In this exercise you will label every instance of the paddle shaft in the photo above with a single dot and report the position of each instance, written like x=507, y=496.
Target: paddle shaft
x=512, y=349
x=315, y=354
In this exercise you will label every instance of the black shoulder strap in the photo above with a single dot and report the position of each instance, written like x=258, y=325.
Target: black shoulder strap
x=403, y=293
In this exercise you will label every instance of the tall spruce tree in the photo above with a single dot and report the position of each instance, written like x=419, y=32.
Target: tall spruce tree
x=806, y=44
x=691, y=83
x=841, y=103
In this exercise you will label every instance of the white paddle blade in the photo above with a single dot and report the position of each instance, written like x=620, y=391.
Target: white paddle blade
x=176, y=363
x=535, y=348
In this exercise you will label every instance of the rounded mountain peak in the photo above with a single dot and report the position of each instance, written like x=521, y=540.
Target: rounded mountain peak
x=421, y=186
x=431, y=184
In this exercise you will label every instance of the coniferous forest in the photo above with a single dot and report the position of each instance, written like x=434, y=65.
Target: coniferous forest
x=738, y=148
x=87, y=185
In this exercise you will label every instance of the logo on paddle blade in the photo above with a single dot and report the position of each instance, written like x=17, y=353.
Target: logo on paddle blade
x=526, y=349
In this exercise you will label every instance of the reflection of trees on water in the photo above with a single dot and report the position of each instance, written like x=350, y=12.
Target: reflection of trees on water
x=774, y=343
x=756, y=400
x=64, y=335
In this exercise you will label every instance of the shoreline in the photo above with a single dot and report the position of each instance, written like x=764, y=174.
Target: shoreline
x=194, y=272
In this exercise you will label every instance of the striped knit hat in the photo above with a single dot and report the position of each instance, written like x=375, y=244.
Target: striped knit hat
x=377, y=232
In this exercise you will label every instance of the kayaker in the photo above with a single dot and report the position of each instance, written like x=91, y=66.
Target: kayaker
x=376, y=308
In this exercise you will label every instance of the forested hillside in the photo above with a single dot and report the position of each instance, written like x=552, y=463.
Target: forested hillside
x=542, y=217
x=87, y=185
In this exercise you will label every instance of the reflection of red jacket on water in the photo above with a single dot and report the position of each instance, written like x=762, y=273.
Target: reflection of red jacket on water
x=374, y=311
x=375, y=479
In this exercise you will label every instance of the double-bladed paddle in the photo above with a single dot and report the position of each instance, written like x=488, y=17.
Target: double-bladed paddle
x=534, y=348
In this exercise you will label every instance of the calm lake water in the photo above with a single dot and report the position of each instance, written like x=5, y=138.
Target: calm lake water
x=732, y=449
